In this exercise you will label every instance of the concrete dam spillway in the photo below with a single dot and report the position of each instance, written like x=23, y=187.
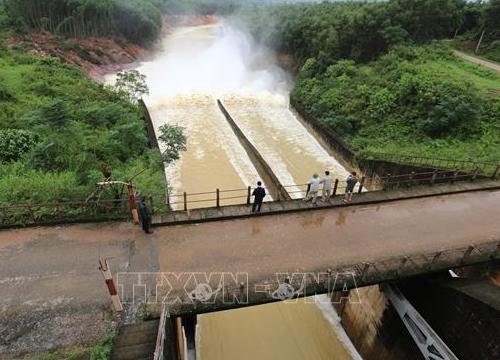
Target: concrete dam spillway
x=195, y=67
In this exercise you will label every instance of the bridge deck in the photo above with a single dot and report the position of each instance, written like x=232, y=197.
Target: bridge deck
x=42, y=269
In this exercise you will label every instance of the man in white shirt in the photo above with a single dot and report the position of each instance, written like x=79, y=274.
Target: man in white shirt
x=327, y=186
x=313, y=189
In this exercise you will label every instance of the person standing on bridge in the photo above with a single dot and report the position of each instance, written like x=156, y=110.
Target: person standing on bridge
x=351, y=182
x=313, y=189
x=145, y=216
x=259, y=194
x=327, y=186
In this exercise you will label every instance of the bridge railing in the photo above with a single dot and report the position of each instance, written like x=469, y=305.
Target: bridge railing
x=64, y=211
x=113, y=209
x=482, y=168
x=185, y=201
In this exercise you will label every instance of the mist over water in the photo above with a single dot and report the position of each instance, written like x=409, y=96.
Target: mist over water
x=213, y=59
x=198, y=65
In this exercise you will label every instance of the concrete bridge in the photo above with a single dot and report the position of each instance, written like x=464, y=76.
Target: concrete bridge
x=374, y=239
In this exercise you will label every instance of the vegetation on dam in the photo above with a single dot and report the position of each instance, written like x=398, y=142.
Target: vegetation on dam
x=370, y=73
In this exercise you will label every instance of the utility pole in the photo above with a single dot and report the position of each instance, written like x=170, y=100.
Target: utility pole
x=480, y=41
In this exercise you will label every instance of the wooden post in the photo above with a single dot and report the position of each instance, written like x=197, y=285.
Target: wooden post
x=32, y=214
x=132, y=203
x=217, y=199
x=495, y=173
x=151, y=204
x=361, y=183
x=249, y=194
x=335, y=187
x=185, y=201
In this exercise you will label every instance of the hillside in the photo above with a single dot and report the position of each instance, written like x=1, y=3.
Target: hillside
x=414, y=100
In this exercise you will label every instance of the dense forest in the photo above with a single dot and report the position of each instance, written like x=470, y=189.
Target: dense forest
x=376, y=73
x=134, y=20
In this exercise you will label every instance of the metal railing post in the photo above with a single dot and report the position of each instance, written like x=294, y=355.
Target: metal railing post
x=433, y=178
x=412, y=176
x=185, y=201
x=387, y=182
x=495, y=173
x=361, y=183
x=474, y=174
x=249, y=194
x=335, y=187
x=217, y=200
x=168, y=198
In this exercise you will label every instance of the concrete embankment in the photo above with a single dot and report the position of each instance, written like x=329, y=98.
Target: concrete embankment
x=274, y=186
x=465, y=312
x=374, y=326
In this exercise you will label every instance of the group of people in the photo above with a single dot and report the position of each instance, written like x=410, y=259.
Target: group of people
x=327, y=182
x=259, y=193
x=313, y=188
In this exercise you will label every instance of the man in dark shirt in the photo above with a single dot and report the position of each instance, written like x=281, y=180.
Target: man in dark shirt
x=145, y=217
x=259, y=194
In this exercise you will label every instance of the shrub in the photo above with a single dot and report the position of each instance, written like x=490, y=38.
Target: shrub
x=15, y=143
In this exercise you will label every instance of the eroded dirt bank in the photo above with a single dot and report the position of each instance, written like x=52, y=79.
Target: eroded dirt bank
x=98, y=56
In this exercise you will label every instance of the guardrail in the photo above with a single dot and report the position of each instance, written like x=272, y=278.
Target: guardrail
x=67, y=211
x=244, y=196
x=114, y=209
x=481, y=168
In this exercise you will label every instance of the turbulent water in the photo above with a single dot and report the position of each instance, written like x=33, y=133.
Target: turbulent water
x=197, y=66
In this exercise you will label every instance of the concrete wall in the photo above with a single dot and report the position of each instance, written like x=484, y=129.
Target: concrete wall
x=337, y=145
x=374, y=327
x=266, y=173
x=153, y=142
x=470, y=327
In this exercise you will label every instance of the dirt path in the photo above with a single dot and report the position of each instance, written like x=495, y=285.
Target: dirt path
x=489, y=64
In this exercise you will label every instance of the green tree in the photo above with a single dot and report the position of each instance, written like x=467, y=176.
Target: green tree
x=174, y=140
x=132, y=84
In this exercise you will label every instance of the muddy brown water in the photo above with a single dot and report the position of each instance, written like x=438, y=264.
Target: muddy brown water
x=197, y=66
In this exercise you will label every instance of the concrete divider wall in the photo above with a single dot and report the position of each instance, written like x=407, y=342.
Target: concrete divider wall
x=153, y=142
x=329, y=138
x=373, y=325
x=267, y=175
